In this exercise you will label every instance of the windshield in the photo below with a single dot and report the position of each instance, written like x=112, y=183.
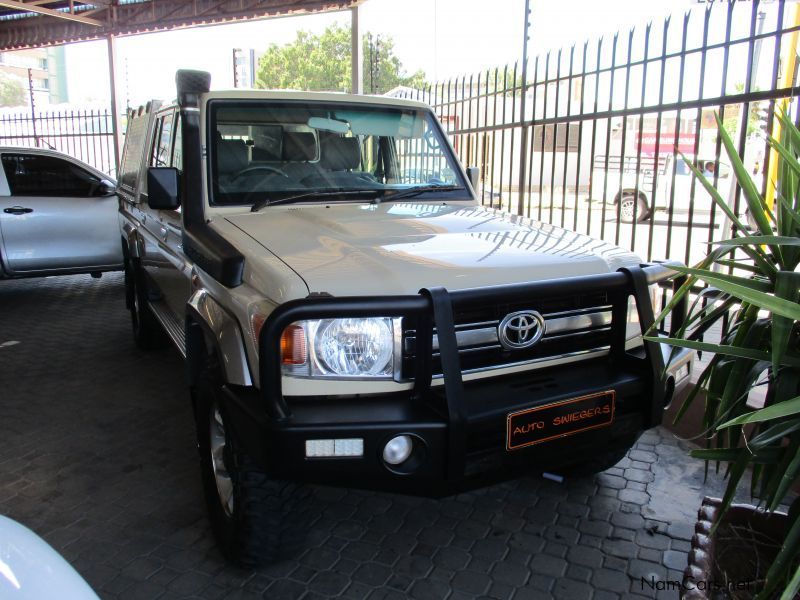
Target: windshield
x=264, y=151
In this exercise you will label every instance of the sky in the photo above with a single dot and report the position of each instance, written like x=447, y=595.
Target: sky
x=444, y=38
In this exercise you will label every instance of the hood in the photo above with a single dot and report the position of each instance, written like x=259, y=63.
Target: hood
x=398, y=248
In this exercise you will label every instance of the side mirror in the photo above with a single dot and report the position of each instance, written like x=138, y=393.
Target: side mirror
x=106, y=188
x=163, y=188
x=474, y=174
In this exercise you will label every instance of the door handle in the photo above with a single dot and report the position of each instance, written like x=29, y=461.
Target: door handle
x=17, y=210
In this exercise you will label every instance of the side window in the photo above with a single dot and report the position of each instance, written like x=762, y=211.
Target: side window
x=161, y=146
x=39, y=175
x=177, y=151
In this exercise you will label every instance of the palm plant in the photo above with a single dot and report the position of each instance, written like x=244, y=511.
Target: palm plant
x=753, y=287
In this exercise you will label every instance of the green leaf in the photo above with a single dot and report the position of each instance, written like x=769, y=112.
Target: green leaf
x=777, y=240
x=789, y=130
x=756, y=254
x=749, y=282
x=754, y=201
x=774, y=433
x=695, y=390
x=709, y=320
x=788, y=210
x=676, y=297
x=744, y=373
x=715, y=195
x=788, y=477
x=783, y=561
x=738, y=264
x=748, y=290
x=787, y=157
x=763, y=455
x=787, y=285
x=776, y=411
x=705, y=317
x=723, y=349
x=719, y=454
x=792, y=587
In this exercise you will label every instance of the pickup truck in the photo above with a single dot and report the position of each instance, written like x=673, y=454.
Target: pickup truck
x=351, y=315
x=58, y=216
x=640, y=187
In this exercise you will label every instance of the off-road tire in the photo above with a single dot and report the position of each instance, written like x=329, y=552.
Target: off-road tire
x=627, y=202
x=147, y=331
x=253, y=531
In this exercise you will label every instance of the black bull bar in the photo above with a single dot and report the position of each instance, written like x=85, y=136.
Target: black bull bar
x=434, y=307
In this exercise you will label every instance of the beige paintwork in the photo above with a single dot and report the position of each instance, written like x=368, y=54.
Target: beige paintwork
x=397, y=248
x=381, y=249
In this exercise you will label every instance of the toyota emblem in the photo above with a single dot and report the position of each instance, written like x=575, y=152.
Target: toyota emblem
x=520, y=329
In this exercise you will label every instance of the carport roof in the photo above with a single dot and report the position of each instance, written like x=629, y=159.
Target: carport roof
x=34, y=23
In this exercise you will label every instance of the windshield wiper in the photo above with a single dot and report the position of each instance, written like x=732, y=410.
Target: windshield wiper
x=288, y=200
x=416, y=191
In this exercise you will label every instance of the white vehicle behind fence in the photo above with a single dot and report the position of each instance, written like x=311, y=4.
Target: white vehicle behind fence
x=640, y=191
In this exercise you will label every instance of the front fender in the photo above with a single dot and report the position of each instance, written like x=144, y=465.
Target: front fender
x=222, y=331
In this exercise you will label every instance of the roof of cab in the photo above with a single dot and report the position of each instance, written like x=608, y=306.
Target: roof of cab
x=313, y=97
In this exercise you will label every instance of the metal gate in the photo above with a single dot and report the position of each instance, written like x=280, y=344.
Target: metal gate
x=586, y=137
x=85, y=134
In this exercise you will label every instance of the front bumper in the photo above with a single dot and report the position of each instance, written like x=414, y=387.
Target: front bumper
x=460, y=428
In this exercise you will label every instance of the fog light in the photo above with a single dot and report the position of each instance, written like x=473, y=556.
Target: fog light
x=347, y=447
x=398, y=449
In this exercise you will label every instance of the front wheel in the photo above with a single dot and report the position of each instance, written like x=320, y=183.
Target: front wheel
x=247, y=508
x=633, y=208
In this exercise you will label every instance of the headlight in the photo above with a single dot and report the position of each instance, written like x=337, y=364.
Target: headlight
x=346, y=348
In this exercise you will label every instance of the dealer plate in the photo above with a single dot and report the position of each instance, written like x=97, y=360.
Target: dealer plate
x=560, y=419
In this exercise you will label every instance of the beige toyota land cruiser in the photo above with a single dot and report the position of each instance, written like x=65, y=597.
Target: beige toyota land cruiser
x=351, y=315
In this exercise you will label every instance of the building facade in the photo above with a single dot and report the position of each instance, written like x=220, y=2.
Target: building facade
x=47, y=77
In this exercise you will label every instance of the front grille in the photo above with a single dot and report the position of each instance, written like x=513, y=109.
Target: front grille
x=573, y=324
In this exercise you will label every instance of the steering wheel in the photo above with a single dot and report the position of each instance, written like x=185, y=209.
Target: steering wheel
x=256, y=168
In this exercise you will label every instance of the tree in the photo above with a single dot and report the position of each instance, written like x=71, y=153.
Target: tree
x=12, y=91
x=383, y=70
x=322, y=62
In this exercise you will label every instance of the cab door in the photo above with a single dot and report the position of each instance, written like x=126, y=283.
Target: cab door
x=56, y=215
x=163, y=258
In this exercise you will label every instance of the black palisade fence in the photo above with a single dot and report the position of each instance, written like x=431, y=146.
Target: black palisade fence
x=585, y=137
x=84, y=134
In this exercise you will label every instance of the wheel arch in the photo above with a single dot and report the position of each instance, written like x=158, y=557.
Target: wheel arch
x=642, y=195
x=211, y=328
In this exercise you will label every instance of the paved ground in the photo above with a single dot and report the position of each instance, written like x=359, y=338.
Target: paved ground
x=98, y=457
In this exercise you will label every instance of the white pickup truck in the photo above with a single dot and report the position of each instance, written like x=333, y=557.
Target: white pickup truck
x=640, y=187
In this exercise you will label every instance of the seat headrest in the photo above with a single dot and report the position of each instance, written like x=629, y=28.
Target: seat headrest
x=299, y=146
x=231, y=156
x=340, y=153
